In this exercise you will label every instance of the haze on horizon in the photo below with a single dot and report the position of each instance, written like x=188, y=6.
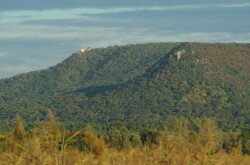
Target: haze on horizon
x=34, y=36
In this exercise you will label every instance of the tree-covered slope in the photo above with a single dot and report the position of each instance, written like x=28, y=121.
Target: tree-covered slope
x=111, y=65
x=194, y=80
x=188, y=79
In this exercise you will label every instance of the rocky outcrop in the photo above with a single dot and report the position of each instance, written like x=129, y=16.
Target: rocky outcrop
x=180, y=54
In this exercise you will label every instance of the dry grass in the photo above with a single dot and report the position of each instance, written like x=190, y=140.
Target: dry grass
x=48, y=144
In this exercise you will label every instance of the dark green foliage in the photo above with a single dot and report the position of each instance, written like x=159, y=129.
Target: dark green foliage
x=150, y=137
x=246, y=141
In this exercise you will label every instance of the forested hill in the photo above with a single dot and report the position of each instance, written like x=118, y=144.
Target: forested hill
x=146, y=82
x=101, y=66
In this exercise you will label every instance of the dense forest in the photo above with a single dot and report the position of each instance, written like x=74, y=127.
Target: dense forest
x=181, y=142
x=137, y=103
x=136, y=83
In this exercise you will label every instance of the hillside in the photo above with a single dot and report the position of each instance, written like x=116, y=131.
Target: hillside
x=135, y=83
x=100, y=66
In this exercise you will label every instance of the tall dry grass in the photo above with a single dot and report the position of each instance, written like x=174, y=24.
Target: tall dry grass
x=49, y=144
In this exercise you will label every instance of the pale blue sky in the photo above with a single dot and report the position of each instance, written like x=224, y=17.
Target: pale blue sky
x=37, y=34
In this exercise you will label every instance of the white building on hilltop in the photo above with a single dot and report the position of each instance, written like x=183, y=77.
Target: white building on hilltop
x=85, y=49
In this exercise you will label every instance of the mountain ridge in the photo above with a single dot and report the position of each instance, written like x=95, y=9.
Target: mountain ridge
x=84, y=66
x=155, y=82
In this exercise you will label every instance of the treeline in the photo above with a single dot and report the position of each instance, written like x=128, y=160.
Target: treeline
x=181, y=142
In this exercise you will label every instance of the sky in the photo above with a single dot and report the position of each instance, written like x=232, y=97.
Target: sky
x=36, y=34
